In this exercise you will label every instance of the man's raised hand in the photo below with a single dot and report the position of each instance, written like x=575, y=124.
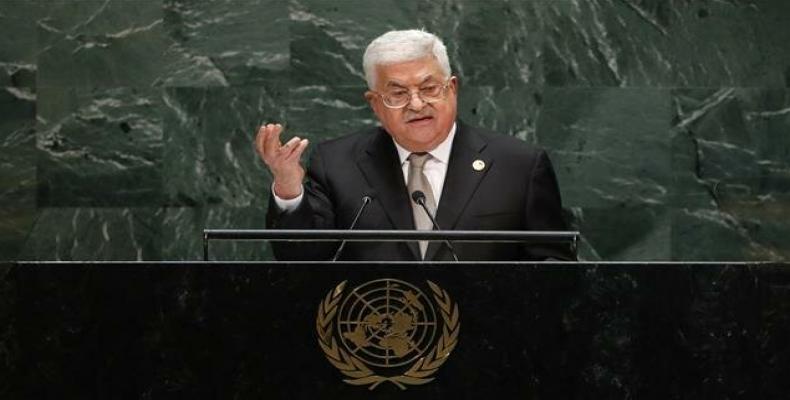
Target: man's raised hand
x=283, y=160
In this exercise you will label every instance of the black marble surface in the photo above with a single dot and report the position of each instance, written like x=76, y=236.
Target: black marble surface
x=667, y=121
x=543, y=331
x=99, y=148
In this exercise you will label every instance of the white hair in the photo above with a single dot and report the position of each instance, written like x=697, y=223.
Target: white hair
x=396, y=47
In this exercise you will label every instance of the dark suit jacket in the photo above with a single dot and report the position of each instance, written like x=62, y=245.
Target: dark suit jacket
x=517, y=190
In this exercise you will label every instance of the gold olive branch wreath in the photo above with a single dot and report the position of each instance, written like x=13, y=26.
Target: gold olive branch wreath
x=359, y=374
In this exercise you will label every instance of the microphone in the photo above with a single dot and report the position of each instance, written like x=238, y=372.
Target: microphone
x=419, y=197
x=366, y=199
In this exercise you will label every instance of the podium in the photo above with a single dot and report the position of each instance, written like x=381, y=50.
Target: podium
x=205, y=330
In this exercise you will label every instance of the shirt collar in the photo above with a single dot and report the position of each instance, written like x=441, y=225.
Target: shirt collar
x=440, y=153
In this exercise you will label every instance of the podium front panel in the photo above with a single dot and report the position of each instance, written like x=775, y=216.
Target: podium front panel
x=394, y=330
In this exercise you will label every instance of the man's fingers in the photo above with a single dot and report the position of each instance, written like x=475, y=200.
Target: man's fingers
x=273, y=152
x=271, y=138
x=287, y=150
x=298, y=150
x=263, y=139
x=289, y=146
x=259, y=140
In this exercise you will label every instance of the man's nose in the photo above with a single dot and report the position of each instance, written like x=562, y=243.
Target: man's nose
x=416, y=102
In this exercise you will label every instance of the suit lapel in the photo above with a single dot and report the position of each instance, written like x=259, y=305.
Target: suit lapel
x=381, y=167
x=460, y=182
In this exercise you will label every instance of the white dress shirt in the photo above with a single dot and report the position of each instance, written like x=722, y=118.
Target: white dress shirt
x=435, y=169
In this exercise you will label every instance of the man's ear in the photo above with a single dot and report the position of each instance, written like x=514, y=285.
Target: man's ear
x=454, y=83
x=370, y=96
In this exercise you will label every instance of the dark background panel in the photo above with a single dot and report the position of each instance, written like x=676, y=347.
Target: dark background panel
x=222, y=43
x=96, y=43
x=99, y=147
x=666, y=121
x=17, y=168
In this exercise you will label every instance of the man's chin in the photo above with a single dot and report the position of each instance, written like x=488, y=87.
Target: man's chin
x=421, y=141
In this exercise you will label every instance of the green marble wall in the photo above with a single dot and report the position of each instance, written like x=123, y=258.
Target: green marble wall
x=126, y=125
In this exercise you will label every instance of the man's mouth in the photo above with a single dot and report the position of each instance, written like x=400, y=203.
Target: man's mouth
x=418, y=120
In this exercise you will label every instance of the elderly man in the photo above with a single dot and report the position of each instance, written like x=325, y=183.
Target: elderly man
x=472, y=179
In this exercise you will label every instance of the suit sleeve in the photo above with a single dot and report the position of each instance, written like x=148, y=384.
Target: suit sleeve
x=544, y=211
x=316, y=211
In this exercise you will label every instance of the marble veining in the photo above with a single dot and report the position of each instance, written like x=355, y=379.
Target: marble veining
x=666, y=121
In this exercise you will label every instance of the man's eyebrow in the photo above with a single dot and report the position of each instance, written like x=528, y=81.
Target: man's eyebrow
x=395, y=84
x=427, y=78
x=400, y=85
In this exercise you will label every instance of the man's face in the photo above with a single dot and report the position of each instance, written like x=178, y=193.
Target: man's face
x=419, y=126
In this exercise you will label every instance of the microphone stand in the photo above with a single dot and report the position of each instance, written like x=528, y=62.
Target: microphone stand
x=419, y=197
x=365, y=201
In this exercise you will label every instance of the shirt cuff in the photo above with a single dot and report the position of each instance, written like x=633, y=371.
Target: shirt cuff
x=288, y=205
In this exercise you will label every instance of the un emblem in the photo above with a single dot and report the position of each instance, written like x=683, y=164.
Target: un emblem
x=387, y=330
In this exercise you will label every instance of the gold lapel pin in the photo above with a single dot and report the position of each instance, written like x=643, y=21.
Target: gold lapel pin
x=479, y=165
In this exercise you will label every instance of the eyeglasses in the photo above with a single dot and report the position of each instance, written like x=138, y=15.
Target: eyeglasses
x=428, y=93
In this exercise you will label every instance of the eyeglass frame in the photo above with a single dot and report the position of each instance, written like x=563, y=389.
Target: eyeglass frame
x=445, y=85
